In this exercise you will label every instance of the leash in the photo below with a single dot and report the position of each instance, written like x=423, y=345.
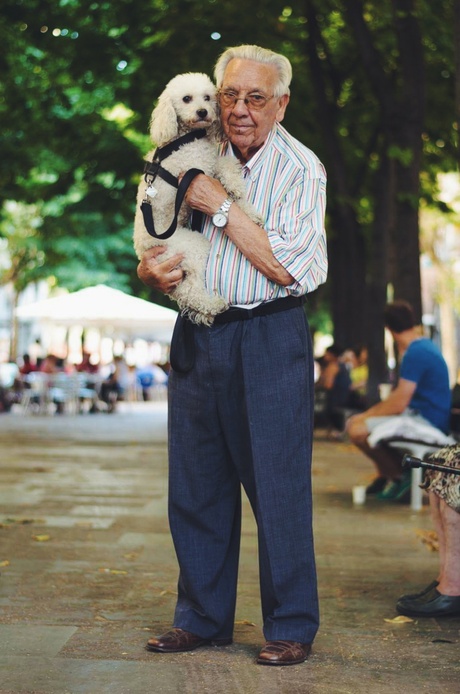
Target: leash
x=153, y=169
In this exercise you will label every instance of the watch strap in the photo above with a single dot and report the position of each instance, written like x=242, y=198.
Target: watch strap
x=225, y=206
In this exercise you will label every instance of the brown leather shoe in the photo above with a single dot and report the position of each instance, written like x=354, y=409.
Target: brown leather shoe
x=283, y=653
x=178, y=641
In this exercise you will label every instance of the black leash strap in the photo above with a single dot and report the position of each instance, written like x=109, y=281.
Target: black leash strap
x=153, y=169
x=146, y=206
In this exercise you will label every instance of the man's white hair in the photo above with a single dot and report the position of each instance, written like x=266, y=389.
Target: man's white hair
x=258, y=55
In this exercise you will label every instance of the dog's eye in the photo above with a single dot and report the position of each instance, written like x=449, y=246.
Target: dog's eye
x=187, y=99
x=207, y=97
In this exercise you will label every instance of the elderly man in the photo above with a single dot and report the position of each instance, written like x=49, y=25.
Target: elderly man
x=241, y=411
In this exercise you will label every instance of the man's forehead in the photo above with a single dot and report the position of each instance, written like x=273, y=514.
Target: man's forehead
x=249, y=75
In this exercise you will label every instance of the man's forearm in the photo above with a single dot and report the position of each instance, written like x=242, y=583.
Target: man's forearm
x=253, y=243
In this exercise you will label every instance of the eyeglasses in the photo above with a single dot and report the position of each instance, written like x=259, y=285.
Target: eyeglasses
x=254, y=101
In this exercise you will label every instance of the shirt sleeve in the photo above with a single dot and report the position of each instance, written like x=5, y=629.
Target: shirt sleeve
x=413, y=364
x=296, y=232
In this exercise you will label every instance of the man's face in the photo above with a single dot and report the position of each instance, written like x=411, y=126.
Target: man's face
x=246, y=128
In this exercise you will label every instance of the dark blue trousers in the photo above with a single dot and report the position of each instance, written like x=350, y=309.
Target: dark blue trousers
x=243, y=416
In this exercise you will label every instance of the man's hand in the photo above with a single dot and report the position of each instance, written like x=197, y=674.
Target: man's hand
x=205, y=194
x=164, y=275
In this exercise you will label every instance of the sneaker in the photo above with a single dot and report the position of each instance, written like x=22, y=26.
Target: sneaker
x=377, y=485
x=390, y=491
x=397, y=490
x=403, y=496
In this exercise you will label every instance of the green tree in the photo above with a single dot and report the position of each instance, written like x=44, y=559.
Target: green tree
x=373, y=95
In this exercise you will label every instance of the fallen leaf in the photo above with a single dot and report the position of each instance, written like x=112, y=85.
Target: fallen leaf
x=41, y=538
x=4, y=563
x=400, y=619
x=429, y=538
x=246, y=622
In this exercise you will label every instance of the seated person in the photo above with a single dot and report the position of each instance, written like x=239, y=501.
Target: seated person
x=359, y=374
x=441, y=598
x=113, y=388
x=149, y=376
x=87, y=365
x=27, y=366
x=423, y=388
x=335, y=380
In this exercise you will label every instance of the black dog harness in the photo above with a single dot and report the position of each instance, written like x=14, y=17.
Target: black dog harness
x=154, y=168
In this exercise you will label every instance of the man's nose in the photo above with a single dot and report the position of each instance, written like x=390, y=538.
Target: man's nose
x=202, y=113
x=240, y=107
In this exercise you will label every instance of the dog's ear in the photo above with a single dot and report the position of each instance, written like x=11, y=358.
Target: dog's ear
x=217, y=130
x=163, y=123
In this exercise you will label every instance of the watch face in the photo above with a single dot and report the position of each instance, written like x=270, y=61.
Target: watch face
x=219, y=219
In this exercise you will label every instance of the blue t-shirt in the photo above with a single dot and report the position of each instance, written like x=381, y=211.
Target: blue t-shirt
x=424, y=365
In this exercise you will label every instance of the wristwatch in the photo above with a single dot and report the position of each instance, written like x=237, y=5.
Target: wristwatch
x=220, y=218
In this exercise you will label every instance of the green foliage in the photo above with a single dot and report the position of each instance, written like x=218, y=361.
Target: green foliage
x=80, y=77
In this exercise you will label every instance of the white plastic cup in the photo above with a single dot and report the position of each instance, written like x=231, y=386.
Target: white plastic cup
x=384, y=390
x=359, y=495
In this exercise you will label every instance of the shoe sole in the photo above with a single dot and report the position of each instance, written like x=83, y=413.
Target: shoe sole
x=409, y=613
x=215, y=644
x=275, y=663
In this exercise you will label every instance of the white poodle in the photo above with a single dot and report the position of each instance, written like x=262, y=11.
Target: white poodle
x=187, y=104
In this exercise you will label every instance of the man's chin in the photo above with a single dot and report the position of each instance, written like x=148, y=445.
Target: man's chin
x=240, y=137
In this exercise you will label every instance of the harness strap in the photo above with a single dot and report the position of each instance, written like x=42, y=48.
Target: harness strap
x=146, y=207
x=164, y=152
x=154, y=168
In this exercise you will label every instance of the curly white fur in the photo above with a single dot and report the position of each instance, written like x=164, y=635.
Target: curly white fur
x=188, y=103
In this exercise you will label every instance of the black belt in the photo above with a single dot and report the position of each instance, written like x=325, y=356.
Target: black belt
x=234, y=313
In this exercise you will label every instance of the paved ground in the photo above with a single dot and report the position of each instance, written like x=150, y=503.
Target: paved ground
x=88, y=573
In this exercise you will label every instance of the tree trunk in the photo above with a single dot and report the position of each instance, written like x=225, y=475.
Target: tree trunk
x=13, y=355
x=407, y=135
x=347, y=261
x=457, y=72
x=378, y=276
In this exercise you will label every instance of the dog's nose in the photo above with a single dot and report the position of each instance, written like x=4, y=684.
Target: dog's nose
x=202, y=113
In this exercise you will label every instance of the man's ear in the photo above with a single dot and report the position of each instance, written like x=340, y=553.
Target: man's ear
x=282, y=105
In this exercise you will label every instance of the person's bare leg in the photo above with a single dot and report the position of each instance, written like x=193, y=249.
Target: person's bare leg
x=449, y=583
x=387, y=462
x=437, y=521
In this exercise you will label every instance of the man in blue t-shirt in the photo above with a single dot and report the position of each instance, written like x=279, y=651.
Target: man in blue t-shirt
x=423, y=388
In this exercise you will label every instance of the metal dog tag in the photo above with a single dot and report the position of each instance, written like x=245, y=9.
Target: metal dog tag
x=151, y=192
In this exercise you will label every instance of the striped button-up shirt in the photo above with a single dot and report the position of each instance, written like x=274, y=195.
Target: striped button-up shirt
x=286, y=183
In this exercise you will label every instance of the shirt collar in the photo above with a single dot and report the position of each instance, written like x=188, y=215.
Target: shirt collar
x=258, y=157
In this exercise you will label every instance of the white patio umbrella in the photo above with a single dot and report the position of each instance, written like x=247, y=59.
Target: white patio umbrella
x=106, y=309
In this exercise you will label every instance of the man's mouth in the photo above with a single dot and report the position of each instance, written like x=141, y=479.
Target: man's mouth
x=240, y=127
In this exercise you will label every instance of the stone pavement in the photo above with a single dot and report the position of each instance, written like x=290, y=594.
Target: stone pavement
x=88, y=572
